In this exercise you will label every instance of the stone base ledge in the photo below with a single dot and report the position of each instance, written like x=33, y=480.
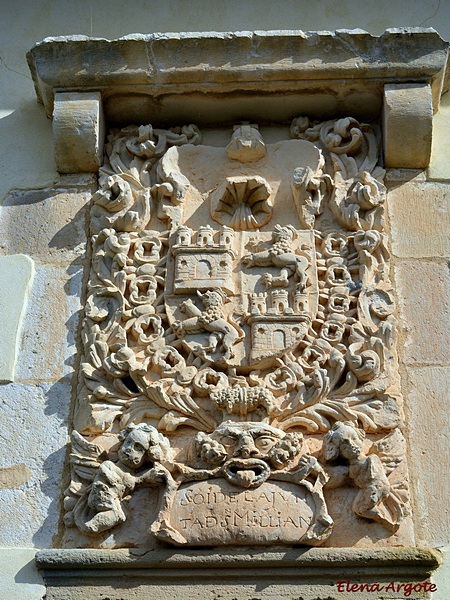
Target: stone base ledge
x=235, y=574
x=330, y=564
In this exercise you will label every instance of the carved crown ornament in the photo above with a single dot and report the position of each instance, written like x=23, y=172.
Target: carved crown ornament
x=239, y=377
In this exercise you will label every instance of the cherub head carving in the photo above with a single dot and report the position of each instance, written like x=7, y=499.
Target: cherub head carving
x=343, y=439
x=248, y=451
x=141, y=444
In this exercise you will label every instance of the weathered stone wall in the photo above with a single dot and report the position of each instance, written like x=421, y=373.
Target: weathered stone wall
x=419, y=213
x=49, y=226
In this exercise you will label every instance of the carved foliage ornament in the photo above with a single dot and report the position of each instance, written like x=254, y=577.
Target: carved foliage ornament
x=239, y=365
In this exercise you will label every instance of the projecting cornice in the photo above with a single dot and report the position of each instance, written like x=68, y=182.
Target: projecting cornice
x=261, y=76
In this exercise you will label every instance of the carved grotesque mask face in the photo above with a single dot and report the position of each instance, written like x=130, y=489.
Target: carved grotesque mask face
x=134, y=448
x=248, y=446
x=249, y=451
x=246, y=440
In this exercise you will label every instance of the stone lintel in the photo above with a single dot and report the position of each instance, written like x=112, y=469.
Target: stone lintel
x=78, y=131
x=407, y=125
x=323, y=73
x=321, y=564
x=270, y=76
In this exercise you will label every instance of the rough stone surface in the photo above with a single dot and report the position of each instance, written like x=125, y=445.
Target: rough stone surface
x=34, y=419
x=225, y=589
x=14, y=476
x=35, y=410
x=16, y=277
x=419, y=216
x=423, y=293
x=441, y=577
x=428, y=419
x=49, y=334
x=52, y=224
x=396, y=177
x=440, y=151
x=53, y=232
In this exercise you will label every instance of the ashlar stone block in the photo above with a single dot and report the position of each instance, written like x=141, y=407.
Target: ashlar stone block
x=424, y=302
x=34, y=431
x=19, y=577
x=50, y=329
x=16, y=277
x=419, y=218
x=428, y=419
x=52, y=223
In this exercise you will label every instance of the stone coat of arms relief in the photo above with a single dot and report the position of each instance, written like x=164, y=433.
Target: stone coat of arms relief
x=239, y=381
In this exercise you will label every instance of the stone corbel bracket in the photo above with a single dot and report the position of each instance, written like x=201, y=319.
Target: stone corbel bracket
x=226, y=77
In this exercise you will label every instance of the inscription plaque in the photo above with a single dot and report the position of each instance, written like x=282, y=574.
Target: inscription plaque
x=216, y=513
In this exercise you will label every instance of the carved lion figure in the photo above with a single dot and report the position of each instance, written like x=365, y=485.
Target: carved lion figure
x=280, y=254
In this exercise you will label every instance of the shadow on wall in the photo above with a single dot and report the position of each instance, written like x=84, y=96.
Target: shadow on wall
x=49, y=226
x=19, y=577
x=52, y=487
x=60, y=396
x=26, y=149
x=28, y=573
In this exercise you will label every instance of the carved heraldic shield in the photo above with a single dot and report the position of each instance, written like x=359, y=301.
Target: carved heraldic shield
x=239, y=377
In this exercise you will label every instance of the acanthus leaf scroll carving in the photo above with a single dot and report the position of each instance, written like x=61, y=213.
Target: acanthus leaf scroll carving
x=238, y=341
